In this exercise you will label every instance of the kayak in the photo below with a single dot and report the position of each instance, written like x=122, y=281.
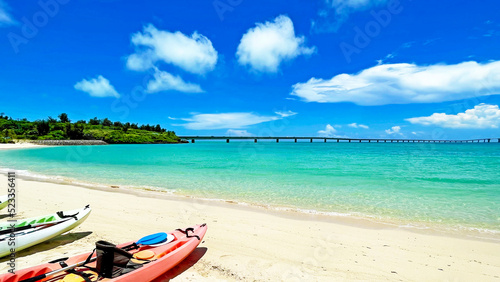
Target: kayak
x=32, y=231
x=4, y=201
x=153, y=259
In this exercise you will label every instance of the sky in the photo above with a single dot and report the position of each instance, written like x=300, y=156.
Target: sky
x=347, y=68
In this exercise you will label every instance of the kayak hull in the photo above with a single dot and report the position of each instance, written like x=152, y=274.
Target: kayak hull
x=30, y=237
x=166, y=257
x=4, y=201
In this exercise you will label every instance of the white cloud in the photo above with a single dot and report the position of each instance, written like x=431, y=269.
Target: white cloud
x=267, y=45
x=242, y=133
x=394, y=130
x=164, y=81
x=193, y=53
x=341, y=9
x=286, y=114
x=480, y=117
x=224, y=120
x=5, y=17
x=328, y=132
x=97, y=87
x=405, y=84
x=355, y=125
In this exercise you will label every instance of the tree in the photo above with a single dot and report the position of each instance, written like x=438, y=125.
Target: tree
x=52, y=120
x=158, y=128
x=94, y=121
x=43, y=127
x=106, y=122
x=117, y=124
x=74, y=131
x=64, y=118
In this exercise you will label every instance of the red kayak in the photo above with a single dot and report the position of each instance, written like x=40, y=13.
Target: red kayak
x=138, y=261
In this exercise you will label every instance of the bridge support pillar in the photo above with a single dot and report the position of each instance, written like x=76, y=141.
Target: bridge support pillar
x=349, y=140
x=277, y=140
x=192, y=140
x=311, y=140
x=227, y=140
x=255, y=140
x=325, y=140
x=338, y=140
x=489, y=140
x=295, y=140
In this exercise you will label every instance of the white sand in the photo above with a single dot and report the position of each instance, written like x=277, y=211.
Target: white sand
x=17, y=146
x=244, y=243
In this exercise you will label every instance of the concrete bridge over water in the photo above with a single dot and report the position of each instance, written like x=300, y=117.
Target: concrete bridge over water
x=192, y=139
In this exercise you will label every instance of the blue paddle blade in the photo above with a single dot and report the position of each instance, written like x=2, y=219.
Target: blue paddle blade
x=153, y=239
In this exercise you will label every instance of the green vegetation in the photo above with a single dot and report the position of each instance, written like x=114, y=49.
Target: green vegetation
x=94, y=129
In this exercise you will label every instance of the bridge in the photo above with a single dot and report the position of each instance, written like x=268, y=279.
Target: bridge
x=335, y=139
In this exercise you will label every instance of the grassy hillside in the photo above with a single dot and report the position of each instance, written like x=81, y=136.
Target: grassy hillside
x=94, y=129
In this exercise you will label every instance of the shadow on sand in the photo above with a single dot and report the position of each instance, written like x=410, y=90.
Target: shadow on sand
x=50, y=244
x=187, y=263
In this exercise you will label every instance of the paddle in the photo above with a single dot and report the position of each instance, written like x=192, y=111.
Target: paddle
x=147, y=240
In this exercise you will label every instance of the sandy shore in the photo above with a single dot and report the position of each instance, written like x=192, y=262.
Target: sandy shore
x=249, y=244
x=17, y=146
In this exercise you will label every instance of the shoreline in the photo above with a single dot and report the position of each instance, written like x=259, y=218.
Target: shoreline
x=355, y=220
x=244, y=243
x=20, y=145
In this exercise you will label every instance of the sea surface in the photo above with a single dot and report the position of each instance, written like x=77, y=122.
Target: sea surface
x=452, y=186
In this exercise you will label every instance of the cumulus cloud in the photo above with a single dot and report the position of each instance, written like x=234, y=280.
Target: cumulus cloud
x=355, y=125
x=97, y=87
x=394, y=130
x=480, y=117
x=328, y=132
x=164, y=81
x=286, y=113
x=336, y=12
x=264, y=47
x=5, y=17
x=404, y=84
x=225, y=120
x=193, y=53
x=242, y=133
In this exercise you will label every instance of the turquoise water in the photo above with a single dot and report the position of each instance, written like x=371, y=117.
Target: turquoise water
x=454, y=185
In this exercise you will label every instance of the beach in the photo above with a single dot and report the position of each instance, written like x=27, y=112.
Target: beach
x=255, y=244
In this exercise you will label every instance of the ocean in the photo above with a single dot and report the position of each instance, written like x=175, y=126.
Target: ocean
x=444, y=186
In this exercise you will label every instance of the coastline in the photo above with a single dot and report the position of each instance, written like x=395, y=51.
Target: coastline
x=351, y=219
x=245, y=244
x=21, y=145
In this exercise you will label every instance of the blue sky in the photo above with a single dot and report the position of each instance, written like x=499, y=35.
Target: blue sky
x=357, y=68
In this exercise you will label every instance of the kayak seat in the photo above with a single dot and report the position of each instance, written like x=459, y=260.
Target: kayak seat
x=113, y=261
